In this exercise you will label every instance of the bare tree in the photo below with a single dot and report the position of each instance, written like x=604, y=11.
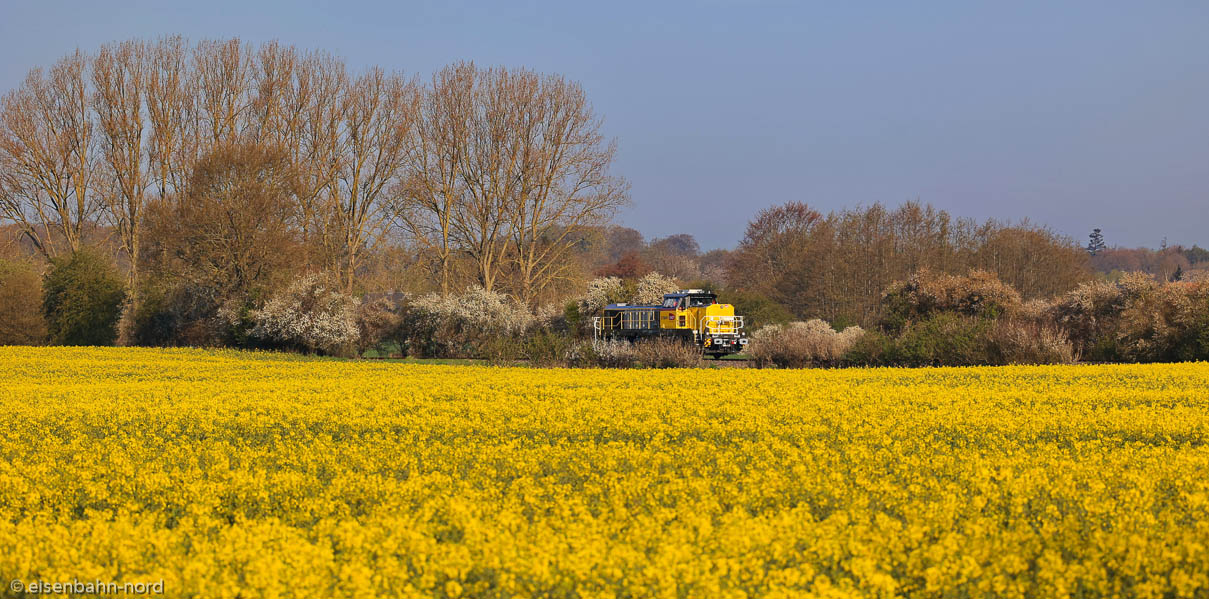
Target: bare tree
x=773, y=240
x=232, y=230
x=505, y=171
x=169, y=98
x=490, y=173
x=273, y=118
x=224, y=74
x=836, y=267
x=564, y=179
x=318, y=91
x=299, y=106
x=378, y=111
x=46, y=138
x=119, y=74
x=434, y=190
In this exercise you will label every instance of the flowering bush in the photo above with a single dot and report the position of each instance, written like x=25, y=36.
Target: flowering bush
x=477, y=308
x=1136, y=320
x=615, y=353
x=1027, y=341
x=652, y=287
x=601, y=292
x=1168, y=323
x=474, y=324
x=311, y=315
x=663, y=352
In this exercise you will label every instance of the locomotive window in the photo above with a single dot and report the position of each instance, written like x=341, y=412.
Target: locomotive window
x=669, y=302
x=701, y=302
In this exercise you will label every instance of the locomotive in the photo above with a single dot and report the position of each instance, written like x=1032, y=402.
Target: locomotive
x=693, y=316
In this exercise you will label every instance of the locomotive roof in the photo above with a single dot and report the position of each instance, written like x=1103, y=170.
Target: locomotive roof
x=630, y=307
x=677, y=294
x=691, y=292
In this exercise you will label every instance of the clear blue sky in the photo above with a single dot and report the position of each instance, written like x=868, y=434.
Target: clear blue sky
x=1073, y=114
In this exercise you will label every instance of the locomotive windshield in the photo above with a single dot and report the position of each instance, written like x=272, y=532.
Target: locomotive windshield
x=681, y=302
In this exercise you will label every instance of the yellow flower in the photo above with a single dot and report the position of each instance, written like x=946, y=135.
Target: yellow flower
x=230, y=474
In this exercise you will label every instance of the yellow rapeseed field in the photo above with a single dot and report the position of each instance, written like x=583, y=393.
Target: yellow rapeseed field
x=231, y=474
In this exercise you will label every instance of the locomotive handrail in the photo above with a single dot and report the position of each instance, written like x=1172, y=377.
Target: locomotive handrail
x=721, y=325
x=601, y=324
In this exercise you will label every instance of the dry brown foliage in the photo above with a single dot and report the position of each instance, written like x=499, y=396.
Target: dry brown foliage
x=21, y=319
x=1024, y=341
x=232, y=229
x=667, y=353
x=925, y=293
x=801, y=344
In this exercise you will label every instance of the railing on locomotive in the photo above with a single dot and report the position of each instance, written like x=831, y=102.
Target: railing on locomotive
x=721, y=325
x=602, y=325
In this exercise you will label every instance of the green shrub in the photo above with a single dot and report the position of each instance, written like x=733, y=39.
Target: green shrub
x=549, y=348
x=181, y=315
x=21, y=319
x=573, y=318
x=945, y=339
x=83, y=300
x=873, y=348
x=498, y=350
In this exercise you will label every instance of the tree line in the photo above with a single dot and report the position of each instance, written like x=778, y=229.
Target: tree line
x=836, y=266
x=224, y=162
x=212, y=178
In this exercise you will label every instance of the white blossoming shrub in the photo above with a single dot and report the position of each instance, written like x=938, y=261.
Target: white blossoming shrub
x=652, y=287
x=311, y=315
x=548, y=316
x=601, y=292
x=472, y=324
x=478, y=308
